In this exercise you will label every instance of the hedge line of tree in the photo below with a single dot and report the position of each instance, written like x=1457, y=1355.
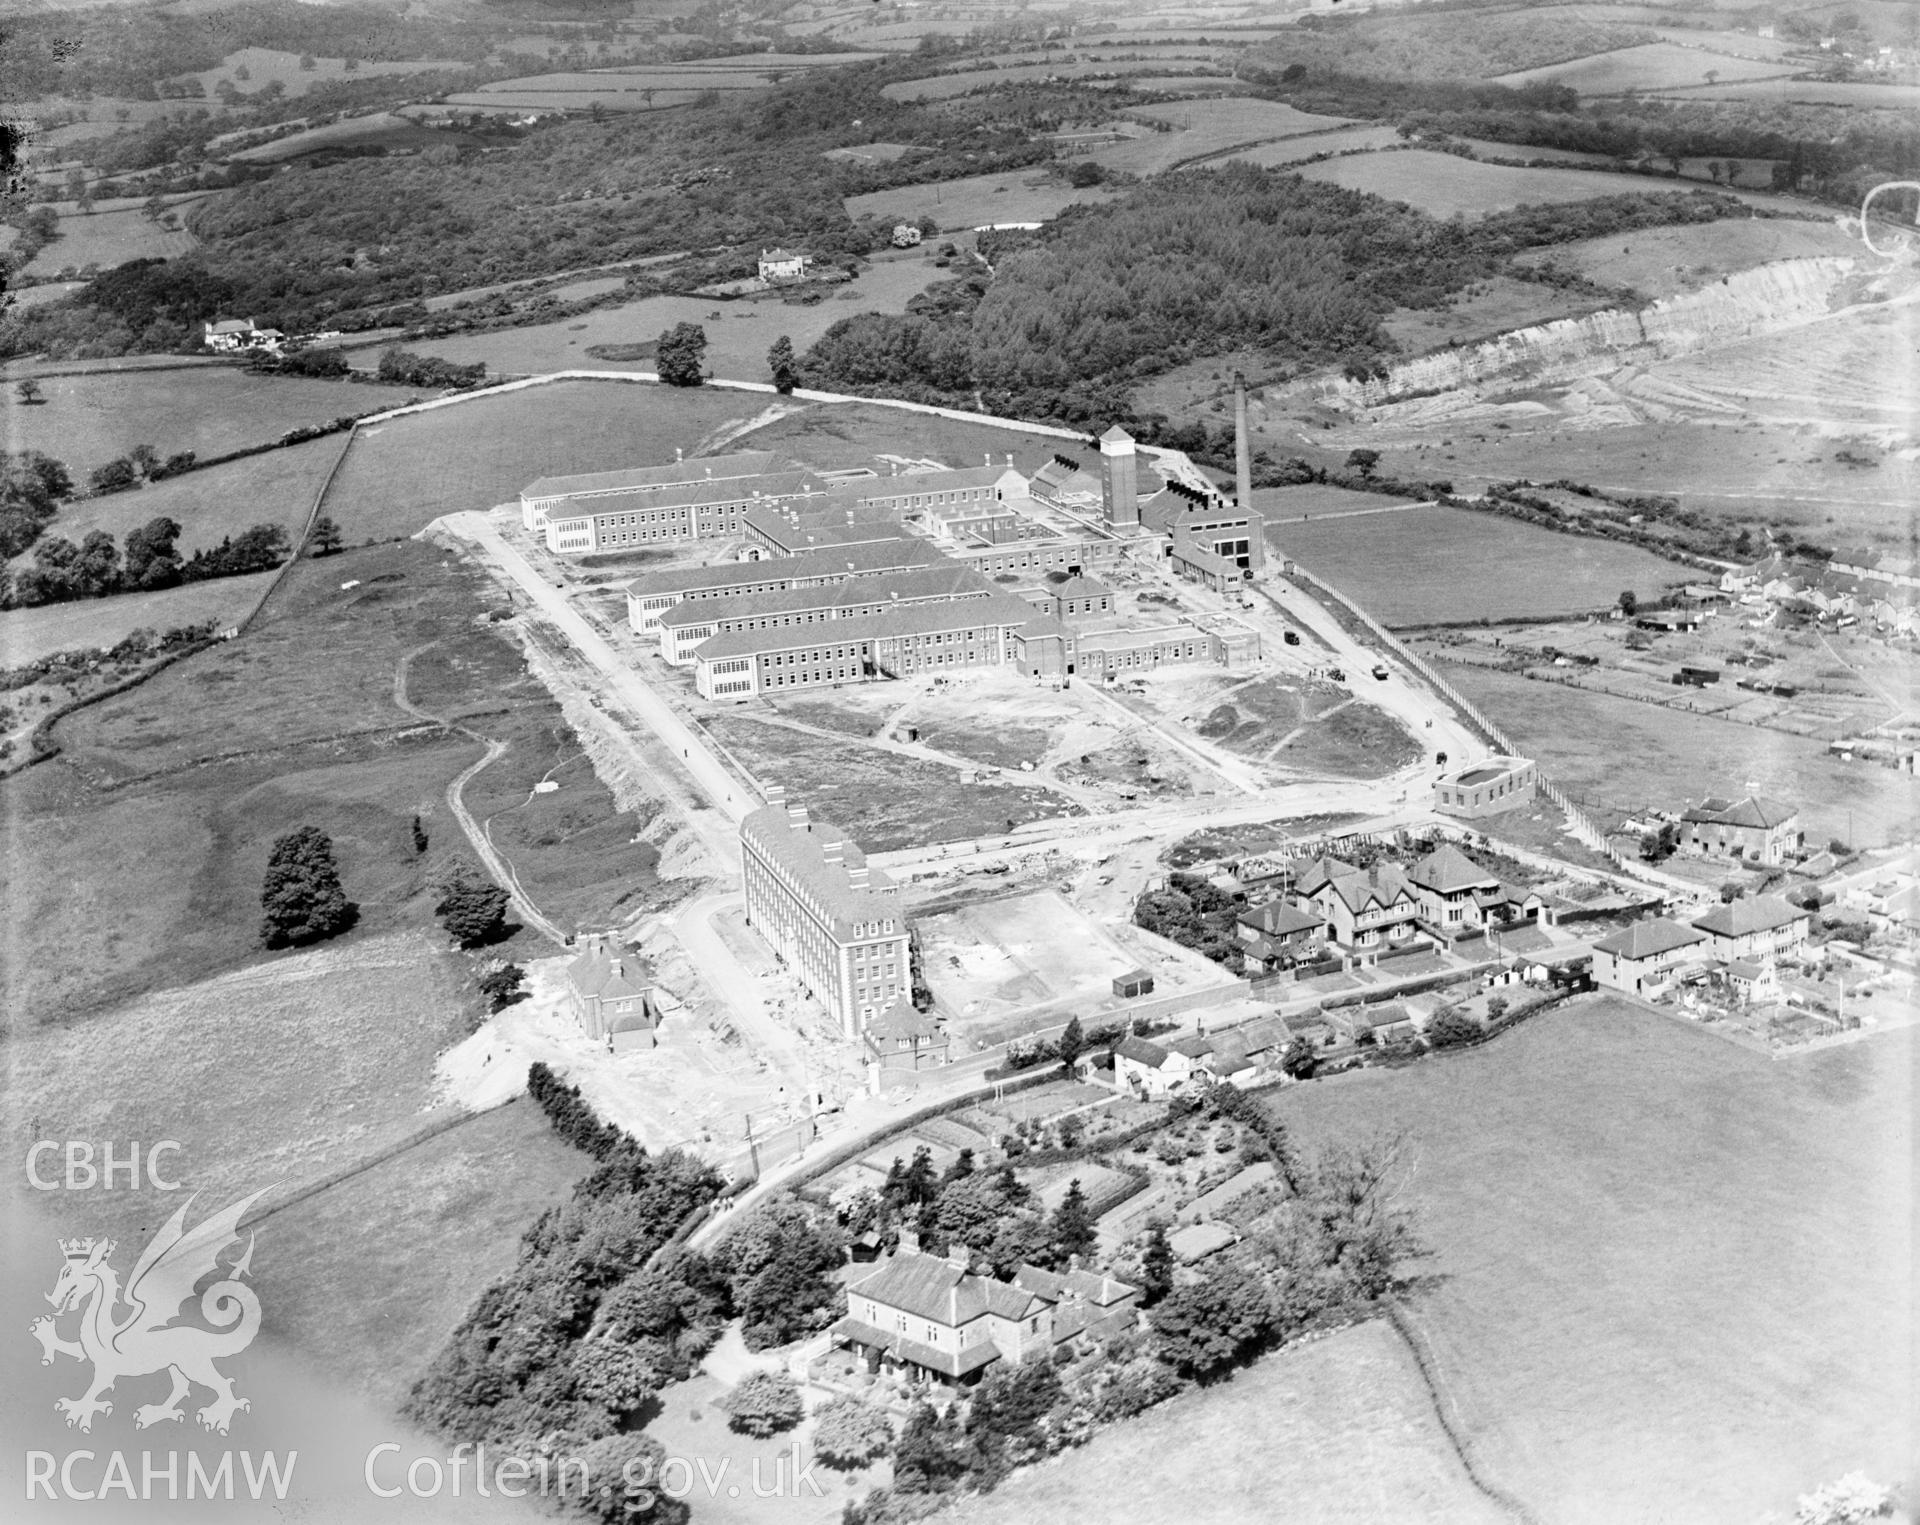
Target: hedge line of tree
x=63, y=572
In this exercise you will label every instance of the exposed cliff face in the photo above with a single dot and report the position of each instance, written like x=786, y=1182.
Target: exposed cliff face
x=1750, y=304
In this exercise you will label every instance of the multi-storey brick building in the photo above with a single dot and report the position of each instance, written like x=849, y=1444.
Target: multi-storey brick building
x=649, y=597
x=833, y=920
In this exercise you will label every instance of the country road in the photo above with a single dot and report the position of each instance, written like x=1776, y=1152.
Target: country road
x=495, y=862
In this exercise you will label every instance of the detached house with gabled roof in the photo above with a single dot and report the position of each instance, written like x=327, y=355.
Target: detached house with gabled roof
x=1754, y=829
x=932, y=1318
x=903, y=1038
x=1452, y=888
x=1648, y=957
x=611, y=995
x=1277, y=935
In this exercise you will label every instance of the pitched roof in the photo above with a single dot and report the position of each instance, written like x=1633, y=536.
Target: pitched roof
x=1647, y=939
x=1190, y=1048
x=607, y=974
x=1762, y=913
x=1141, y=1051
x=953, y=1363
x=934, y=1288
x=1277, y=918
x=1116, y=435
x=1001, y=610
x=1382, y=886
x=909, y=585
x=819, y=856
x=717, y=468
x=1081, y=587
x=904, y=1022
x=918, y=483
x=1448, y=871
x=853, y=561
x=1752, y=812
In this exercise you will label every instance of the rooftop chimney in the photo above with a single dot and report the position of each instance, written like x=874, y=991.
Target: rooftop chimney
x=909, y=1241
x=797, y=816
x=857, y=877
x=959, y=1256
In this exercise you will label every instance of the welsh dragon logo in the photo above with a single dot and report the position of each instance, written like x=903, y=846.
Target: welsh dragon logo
x=145, y=1340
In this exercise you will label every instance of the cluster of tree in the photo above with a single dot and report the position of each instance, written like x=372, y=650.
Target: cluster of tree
x=763, y=1403
x=134, y=649
x=571, y=1117
x=324, y=362
x=62, y=572
x=680, y=355
x=776, y=1266
x=144, y=305
x=471, y=907
x=992, y=1213
x=560, y=1352
x=1334, y=1246
x=404, y=368
x=1197, y=264
x=301, y=897
x=1328, y=1246
x=138, y=465
x=32, y=487
x=1193, y=912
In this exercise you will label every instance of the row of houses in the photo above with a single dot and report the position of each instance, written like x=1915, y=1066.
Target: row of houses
x=1743, y=940
x=1335, y=907
x=1880, y=592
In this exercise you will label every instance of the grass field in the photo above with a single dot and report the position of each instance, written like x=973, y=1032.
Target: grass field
x=1670, y=1277
x=106, y=239
x=1443, y=184
x=138, y=852
x=296, y=1069
x=29, y=634
x=1016, y=196
x=1298, y=150
x=1203, y=128
x=738, y=338
x=266, y=64
x=1813, y=92
x=1354, y=741
x=276, y=487
x=1658, y=262
x=87, y=421
x=834, y=436
x=403, y=474
x=1428, y=565
x=945, y=86
x=1581, y=739
x=382, y=129
x=884, y=801
x=1651, y=66
x=1339, y=1432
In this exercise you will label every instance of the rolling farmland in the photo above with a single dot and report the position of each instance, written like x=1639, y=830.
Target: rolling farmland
x=1022, y=195
x=1651, y=66
x=1443, y=184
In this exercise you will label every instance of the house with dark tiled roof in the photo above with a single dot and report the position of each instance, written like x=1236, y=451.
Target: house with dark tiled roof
x=1753, y=829
x=1380, y=1021
x=1278, y=935
x=902, y=1038
x=1154, y=1069
x=1450, y=887
x=612, y=995
x=1757, y=927
x=1648, y=957
x=933, y=1319
x=1364, y=909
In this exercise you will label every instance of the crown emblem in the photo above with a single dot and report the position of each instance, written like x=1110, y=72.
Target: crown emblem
x=82, y=1249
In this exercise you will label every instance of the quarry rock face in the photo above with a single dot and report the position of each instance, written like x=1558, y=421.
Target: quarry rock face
x=1745, y=305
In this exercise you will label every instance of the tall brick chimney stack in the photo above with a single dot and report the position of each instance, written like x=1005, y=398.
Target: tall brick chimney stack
x=1242, y=446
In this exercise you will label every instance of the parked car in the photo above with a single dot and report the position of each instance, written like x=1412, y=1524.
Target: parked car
x=1380, y=671
x=1291, y=637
